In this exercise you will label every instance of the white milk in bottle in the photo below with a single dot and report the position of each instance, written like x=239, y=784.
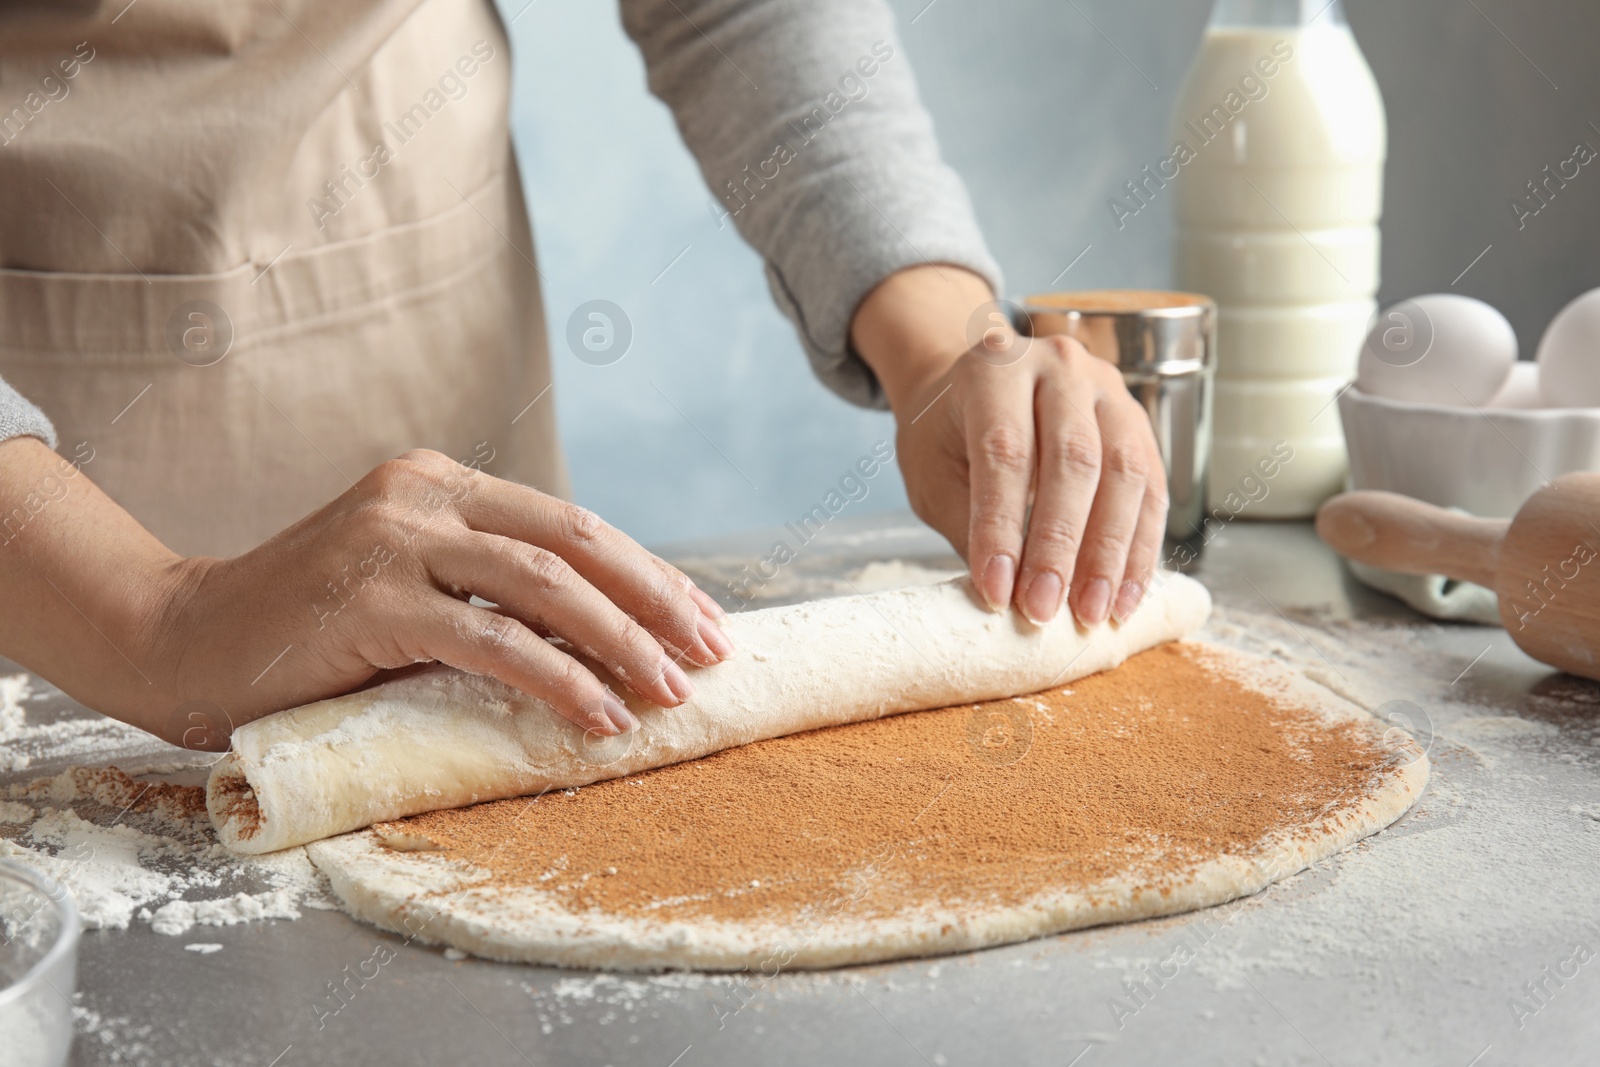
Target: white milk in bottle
x=1279, y=142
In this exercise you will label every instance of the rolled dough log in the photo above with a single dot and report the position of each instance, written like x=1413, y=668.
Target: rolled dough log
x=445, y=739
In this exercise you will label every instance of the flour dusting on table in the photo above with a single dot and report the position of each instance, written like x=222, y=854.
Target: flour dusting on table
x=142, y=849
x=26, y=741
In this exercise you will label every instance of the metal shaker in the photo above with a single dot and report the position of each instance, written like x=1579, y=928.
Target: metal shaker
x=1165, y=344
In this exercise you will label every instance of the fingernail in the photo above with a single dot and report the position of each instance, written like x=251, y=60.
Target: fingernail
x=619, y=714
x=703, y=600
x=715, y=639
x=1128, y=598
x=708, y=603
x=1093, y=602
x=1043, y=598
x=677, y=681
x=999, y=575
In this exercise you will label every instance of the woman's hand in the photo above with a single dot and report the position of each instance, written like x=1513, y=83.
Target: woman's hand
x=990, y=422
x=380, y=578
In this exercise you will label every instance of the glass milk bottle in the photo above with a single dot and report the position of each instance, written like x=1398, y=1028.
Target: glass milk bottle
x=1279, y=142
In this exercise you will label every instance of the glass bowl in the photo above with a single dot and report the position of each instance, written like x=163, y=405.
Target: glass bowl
x=38, y=966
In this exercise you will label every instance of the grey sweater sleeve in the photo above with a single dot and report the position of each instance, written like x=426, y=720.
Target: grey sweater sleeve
x=805, y=119
x=18, y=418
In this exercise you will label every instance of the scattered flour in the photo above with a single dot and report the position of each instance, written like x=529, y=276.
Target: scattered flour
x=118, y=1037
x=618, y=997
x=24, y=743
x=14, y=813
x=629, y=992
x=100, y=866
x=178, y=916
x=142, y=848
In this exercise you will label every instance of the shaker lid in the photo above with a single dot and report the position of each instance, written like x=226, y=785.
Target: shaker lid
x=1140, y=330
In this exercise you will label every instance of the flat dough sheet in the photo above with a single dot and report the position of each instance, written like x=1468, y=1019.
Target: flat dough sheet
x=386, y=877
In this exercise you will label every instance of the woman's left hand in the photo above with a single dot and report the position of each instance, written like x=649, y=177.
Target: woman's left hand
x=990, y=422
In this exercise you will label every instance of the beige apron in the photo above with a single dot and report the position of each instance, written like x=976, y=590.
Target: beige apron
x=253, y=249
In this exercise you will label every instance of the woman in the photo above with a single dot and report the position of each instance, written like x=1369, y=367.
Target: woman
x=253, y=252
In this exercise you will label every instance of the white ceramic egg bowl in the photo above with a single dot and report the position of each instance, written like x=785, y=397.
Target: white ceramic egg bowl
x=1486, y=461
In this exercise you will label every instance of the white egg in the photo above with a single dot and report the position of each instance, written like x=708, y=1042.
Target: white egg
x=1521, y=390
x=1437, y=349
x=1569, y=355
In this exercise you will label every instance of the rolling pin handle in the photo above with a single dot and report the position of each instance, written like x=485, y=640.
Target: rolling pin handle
x=1398, y=533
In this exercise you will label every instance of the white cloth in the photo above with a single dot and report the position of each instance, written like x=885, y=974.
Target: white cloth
x=1434, y=594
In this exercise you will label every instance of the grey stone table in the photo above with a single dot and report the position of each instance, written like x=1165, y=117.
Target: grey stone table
x=1460, y=936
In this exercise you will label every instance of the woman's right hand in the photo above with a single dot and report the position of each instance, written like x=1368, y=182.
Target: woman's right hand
x=379, y=578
